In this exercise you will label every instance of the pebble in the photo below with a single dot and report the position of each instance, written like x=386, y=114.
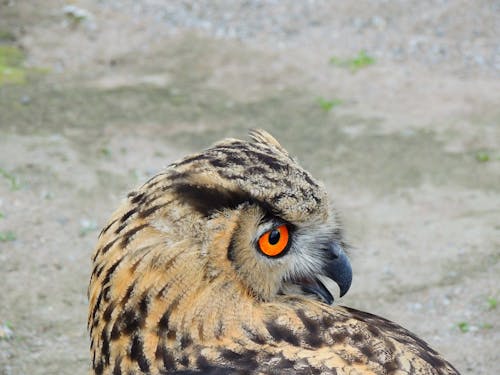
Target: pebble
x=25, y=99
x=5, y=332
x=410, y=31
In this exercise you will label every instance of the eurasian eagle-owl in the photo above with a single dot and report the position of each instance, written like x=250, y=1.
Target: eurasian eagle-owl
x=223, y=263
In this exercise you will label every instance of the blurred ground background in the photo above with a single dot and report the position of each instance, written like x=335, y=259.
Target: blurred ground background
x=395, y=105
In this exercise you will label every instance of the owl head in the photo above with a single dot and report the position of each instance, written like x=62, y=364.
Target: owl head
x=254, y=218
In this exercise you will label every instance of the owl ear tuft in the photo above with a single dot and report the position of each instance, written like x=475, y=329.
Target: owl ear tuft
x=262, y=136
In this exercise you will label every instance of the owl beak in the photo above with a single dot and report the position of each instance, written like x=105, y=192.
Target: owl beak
x=338, y=268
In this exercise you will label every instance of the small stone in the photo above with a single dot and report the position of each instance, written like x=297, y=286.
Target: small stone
x=5, y=332
x=77, y=13
x=379, y=22
x=417, y=306
x=87, y=226
x=25, y=99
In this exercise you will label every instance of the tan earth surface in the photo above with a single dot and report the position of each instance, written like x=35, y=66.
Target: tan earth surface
x=406, y=135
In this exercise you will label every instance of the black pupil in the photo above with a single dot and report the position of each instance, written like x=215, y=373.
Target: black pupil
x=274, y=237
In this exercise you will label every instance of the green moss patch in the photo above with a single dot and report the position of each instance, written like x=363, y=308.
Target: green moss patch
x=11, y=69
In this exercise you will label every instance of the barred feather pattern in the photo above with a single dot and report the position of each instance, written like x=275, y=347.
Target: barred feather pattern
x=166, y=295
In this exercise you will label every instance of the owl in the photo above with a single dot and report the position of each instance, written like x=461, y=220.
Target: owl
x=227, y=262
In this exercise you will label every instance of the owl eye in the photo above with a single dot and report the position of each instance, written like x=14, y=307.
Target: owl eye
x=274, y=242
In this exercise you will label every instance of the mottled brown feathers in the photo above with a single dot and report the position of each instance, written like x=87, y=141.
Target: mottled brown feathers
x=178, y=284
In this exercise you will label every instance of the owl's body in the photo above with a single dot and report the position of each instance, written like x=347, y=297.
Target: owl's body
x=184, y=281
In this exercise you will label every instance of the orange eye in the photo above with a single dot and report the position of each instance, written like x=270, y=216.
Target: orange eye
x=275, y=241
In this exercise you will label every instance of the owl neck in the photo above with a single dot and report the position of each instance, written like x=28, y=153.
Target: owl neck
x=207, y=311
x=220, y=308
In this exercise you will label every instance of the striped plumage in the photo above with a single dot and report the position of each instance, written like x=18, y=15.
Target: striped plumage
x=179, y=285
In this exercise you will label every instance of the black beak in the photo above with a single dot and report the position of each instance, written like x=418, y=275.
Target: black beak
x=338, y=268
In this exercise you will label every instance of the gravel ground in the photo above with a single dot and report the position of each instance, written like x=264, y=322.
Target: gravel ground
x=457, y=34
